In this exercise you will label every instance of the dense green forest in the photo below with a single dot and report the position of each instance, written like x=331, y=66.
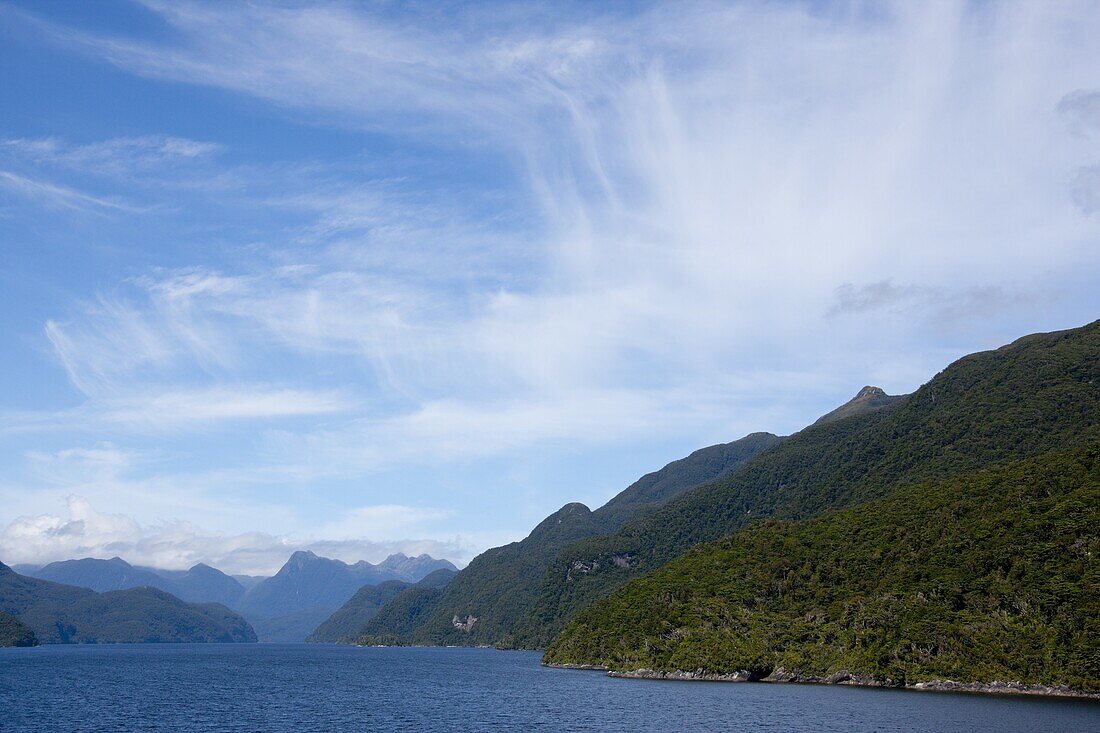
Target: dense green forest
x=395, y=622
x=65, y=614
x=1037, y=394
x=347, y=622
x=659, y=487
x=14, y=632
x=500, y=586
x=344, y=624
x=988, y=575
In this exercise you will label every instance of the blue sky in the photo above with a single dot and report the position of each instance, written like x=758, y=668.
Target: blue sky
x=368, y=277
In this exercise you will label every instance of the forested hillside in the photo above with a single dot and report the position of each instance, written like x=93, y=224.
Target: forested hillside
x=988, y=575
x=1037, y=394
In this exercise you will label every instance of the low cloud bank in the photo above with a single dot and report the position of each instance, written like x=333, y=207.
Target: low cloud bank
x=179, y=545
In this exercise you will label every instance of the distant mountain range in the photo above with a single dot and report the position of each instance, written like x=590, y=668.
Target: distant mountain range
x=308, y=589
x=200, y=584
x=285, y=607
x=67, y=614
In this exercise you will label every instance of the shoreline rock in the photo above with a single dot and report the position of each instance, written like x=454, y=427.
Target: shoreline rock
x=589, y=667
x=679, y=674
x=842, y=677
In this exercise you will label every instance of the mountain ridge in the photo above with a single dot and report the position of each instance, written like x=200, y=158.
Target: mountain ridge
x=59, y=613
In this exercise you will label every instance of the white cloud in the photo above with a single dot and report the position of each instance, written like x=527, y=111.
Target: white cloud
x=171, y=409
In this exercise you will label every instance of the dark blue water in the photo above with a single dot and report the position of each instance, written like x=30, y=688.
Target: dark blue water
x=296, y=688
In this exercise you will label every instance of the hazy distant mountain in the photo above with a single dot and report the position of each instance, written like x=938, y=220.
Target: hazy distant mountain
x=308, y=589
x=200, y=584
x=284, y=607
x=98, y=575
x=413, y=569
x=866, y=400
x=348, y=620
x=204, y=584
x=67, y=614
x=249, y=581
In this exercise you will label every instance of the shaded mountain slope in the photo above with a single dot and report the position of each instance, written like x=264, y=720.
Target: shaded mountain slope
x=396, y=621
x=67, y=614
x=14, y=632
x=200, y=584
x=346, y=623
x=987, y=575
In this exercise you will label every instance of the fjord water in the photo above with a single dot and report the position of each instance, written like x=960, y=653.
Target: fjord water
x=296, y=688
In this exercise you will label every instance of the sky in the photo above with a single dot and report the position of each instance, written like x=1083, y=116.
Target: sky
x=378, y=277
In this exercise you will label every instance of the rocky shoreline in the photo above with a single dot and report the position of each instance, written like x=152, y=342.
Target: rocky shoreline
x=781, y=676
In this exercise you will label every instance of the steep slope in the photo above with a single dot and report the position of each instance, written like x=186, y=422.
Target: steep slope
x=500, y=586
x=988, y=575
x=344, y=625
x=200, y=584
x=395, y=622
x=866, y=400
x=345, y=622
x=308, y=589
x=14, y=632
x=1036, y=394
x=67, y=614
x=657, y=488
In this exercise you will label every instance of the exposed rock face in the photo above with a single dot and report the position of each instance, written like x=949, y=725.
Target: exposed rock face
x=842, y=677
x=697, y=675
x=465, y=623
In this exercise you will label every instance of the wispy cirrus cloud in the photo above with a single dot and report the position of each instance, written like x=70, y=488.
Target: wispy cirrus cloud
x=53, y=195
x=112, y=156
x=606, y=226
